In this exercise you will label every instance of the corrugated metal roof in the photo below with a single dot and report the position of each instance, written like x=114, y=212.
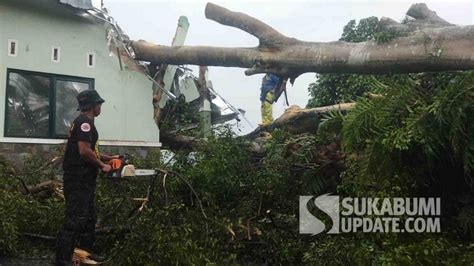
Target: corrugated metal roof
x=81, y=4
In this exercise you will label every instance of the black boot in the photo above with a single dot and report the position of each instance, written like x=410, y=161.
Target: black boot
x=64, y=247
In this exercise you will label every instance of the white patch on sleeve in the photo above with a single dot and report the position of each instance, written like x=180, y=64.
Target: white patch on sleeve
x=85, y=127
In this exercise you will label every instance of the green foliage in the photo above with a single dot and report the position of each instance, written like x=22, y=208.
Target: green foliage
x=237, y=196
x=330, y=89
x=411, y=117
x=8, y=225
x=174, y=229
x=221, y=167
x=466, y=220
x=18, y=211
x=415, y=138
x=386, y=249
x=361, y=32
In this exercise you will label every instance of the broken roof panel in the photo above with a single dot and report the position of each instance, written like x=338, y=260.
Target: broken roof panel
x=81, y=4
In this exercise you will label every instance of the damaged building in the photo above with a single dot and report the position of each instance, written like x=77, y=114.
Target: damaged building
x=54, y=49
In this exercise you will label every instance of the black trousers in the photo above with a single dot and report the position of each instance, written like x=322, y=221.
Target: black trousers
x=79, y=224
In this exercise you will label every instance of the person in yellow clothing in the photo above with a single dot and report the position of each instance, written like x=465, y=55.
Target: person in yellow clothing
x=269, y=84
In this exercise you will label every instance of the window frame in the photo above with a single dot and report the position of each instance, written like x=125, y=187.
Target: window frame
x=58, y=49
x=51, y=97
x=90, y=59
x=9, y=47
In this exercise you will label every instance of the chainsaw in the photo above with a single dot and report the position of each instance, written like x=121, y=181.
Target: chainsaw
x=121, y=168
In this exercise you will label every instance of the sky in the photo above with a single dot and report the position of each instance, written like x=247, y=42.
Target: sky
x=314, y=20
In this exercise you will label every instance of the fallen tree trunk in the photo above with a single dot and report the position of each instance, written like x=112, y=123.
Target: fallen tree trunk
x=424, y=43
x=297, y=120
x=179, y=142
x=427, y=43
x=294, y=120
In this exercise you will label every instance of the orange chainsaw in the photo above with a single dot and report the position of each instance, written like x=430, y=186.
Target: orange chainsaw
x=121, y=168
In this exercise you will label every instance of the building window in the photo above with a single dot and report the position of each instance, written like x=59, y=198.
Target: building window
x=40, y=105
x=56, y=54
x=91, y=60
x=12, y=47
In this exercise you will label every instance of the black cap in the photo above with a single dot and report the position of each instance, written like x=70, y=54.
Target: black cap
x=88, y=99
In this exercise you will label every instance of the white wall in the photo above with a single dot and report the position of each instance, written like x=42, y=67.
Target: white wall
x=127, y=114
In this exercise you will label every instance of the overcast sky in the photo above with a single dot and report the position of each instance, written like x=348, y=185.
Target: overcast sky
x=156, y=20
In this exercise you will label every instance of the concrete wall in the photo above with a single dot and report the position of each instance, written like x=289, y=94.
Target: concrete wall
x=127, y=114
x=17, y=153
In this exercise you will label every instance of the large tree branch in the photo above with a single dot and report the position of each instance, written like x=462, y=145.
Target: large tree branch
x=297, y=120
x=268, y=36
x=436, y=49
x=196, y=55
x=428, y=43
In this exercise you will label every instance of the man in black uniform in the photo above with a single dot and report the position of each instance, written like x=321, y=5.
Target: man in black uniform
x=81, y=165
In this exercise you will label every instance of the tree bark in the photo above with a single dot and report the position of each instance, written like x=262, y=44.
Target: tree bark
x=294, y=120
x=427, y=43
x=297, y=120
x=179, y=142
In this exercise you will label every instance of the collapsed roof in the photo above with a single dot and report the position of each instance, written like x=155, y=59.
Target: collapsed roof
x=221, y=110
